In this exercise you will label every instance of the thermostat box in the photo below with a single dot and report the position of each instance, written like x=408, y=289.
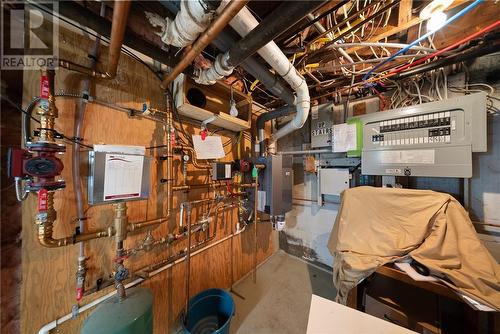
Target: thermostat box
x=116, y=177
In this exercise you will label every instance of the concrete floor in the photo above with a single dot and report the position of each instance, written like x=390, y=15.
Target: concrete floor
x=279, y=302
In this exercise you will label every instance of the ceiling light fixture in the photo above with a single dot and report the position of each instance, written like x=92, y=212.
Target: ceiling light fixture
x=434, y=13
x=232, y=105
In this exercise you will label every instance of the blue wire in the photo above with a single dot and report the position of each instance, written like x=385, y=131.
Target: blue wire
x=451, y=19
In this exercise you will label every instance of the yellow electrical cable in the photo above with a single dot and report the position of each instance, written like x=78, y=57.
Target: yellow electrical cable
x=254, y=84
x=239, y=145
x=312, y=65
x=339, y=34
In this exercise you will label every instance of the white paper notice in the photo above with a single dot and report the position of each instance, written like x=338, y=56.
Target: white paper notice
x=344, y=137
x=210, y=148
x=123, y=176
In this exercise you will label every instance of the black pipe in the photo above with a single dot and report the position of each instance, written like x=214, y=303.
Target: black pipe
x=275, y=84
x=101, y=26
x=475, y=52
x=263, y=118
x=251, y=65
x=271, y=27
x=280, y=112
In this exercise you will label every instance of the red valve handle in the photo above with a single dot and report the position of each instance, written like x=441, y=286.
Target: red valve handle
x=172, y=138
x=203, y=134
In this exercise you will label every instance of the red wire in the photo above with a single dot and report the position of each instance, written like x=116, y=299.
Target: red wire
x=439, y=52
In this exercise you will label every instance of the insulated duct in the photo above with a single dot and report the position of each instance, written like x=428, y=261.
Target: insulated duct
x=192, y=19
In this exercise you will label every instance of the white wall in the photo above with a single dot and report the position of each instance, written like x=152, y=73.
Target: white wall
x=308, y=224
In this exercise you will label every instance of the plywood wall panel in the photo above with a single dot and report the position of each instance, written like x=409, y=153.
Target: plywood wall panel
x=48, y=288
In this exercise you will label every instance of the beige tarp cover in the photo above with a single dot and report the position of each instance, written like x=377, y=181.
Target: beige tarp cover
x=375, y=226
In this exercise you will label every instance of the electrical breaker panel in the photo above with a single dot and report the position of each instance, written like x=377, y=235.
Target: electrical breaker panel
x=431, y=139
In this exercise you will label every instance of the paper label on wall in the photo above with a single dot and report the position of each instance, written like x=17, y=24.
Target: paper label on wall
x=261, y=200
x=123, y=176
x=407, y=157
x=124, y=149
x=210, y=148
x=344, y=137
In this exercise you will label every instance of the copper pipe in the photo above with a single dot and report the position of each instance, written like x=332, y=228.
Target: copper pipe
x=45, y=229
x=205, y=39
x=188, y=262
x=246, y=185
x=194, y=160
x=170, y=156
x=255, y=203
x=47, y=111
x=120, y=221
x=198, y=185
x=82, y=69
x=181, y=188
x=118, y=26
x=147, y=223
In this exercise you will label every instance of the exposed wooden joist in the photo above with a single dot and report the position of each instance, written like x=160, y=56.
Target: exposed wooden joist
x=400, y=28
x=102, y=26
x=404, y=14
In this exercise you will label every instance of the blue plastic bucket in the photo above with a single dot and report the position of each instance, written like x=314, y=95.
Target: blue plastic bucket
x=210, y=311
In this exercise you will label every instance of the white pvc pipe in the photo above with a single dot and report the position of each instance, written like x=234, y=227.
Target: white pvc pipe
x=245, y=22
x=53, y=324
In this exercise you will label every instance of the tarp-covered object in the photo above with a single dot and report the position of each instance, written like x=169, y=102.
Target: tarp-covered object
x=375, y=226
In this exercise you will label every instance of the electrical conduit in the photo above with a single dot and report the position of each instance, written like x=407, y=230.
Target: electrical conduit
x=75, y=155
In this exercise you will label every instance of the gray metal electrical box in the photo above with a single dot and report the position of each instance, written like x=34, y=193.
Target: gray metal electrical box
x=430, y=139
x=275, y=184
x=115, y=177
x=332, y=181
x=324, y=116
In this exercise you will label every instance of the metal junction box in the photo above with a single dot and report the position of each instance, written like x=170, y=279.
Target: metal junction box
x=275, y=185
x=332, y=181
x=431, y=139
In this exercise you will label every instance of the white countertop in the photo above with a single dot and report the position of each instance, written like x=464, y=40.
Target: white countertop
x=326, y=316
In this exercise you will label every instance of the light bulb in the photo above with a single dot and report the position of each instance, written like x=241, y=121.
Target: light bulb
x=436, y=21
x=232, y=110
